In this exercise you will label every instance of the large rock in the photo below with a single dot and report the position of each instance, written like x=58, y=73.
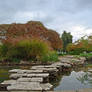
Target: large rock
x=25, y=86
x=30, y=86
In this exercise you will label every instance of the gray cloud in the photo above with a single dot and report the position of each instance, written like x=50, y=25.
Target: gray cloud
x=71, y=15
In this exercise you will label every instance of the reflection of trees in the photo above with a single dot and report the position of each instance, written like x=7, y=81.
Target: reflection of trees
x=3, y=75
x=85, y=78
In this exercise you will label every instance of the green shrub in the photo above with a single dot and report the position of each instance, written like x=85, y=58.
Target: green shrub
x=77, y=51
x=3, y=49
x=34, y=49
x=51, y=57
x=25, y=49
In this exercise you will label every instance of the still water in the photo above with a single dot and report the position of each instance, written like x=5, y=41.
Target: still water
x=76, y=79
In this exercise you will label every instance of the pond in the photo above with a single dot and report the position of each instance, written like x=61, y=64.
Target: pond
x=75, y=79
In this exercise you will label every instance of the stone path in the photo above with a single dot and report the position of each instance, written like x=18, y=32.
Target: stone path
x=38, y=78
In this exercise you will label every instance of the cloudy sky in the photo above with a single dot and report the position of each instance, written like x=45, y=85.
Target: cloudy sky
x=71, y=15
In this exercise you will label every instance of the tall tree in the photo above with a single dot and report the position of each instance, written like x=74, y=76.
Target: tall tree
x=66, y=38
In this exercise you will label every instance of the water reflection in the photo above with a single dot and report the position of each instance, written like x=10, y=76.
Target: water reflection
x=85, y=78
x=75, y=80
x=4, y=75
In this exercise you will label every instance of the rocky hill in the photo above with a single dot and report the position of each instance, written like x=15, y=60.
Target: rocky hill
x=31, y=29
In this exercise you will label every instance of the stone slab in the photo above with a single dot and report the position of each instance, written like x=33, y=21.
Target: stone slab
x=25, y=71
x=46, y=86
x=45, y=69
x=38, y=75
x=30, y=79
x=16, y=76
x=14, y=70
x=9, y=82
x=25, y=86
x=30, y=71
x=90, y=70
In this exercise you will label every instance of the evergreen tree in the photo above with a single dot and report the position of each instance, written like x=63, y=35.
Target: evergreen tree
x=66, y=38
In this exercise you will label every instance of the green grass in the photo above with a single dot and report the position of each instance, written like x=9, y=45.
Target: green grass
x=87, y=55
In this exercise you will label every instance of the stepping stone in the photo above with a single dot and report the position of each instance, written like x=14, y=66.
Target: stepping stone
x=49, y=66
x=90, y=71
x=14, y=70
x=9, y=82
x=50, y=69
x=38, y=75
x=35, y=67
x=25, y=86
x=30, y=71
x=16, y=76
x=67, y=65
x=25, y=71
x=42, y=66
x=46, y=86
x=61, y=64
x=30, y=80
x=66, y=61
x=45, y=69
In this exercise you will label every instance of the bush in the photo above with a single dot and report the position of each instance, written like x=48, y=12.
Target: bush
x=24, y=49
x=34, y=49
x=76, y=51
x=52, y=56
x=3, y=49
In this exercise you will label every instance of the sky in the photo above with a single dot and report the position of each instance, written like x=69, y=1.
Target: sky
x=71, y=15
